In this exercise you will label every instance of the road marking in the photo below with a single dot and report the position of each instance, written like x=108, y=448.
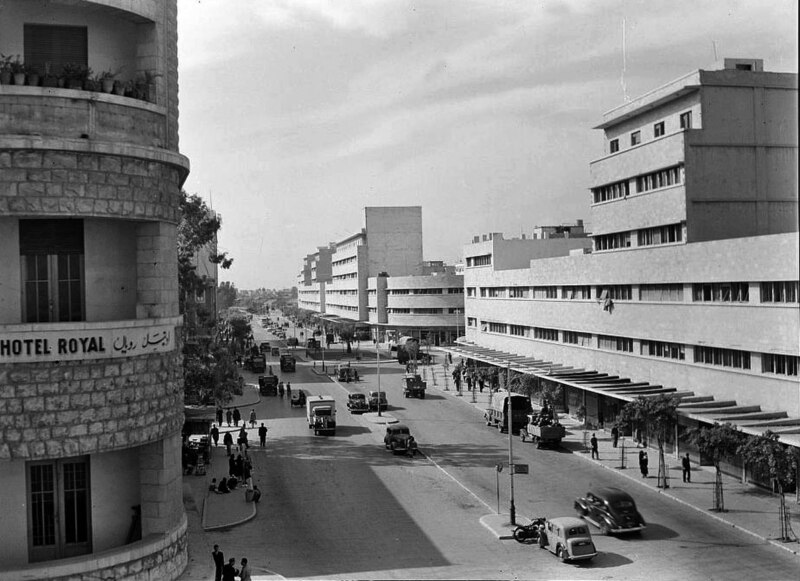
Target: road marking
x=454, y=479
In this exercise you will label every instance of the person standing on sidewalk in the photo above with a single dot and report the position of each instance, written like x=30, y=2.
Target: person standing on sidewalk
x=687, y=468
x=237, y=415
x=253, y=418
x=595, y=453
x=614, y=435
x=643, y=461
x=228, y=416
x=215, y=434
x=262, y=434
x=244, y=572
x=227, y=439
x=219, y=416
x=219, y=562
x=229, y=571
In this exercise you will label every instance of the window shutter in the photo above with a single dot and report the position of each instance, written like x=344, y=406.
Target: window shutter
x=50, y=237
x=57, y=45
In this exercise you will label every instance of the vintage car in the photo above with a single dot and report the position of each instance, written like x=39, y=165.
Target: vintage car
x=264, y=347
x=397, y=438
x=298, y=398
x=568, y=538
x=414, y=386
x=372, y=399
x=612, y=510
x=268, y=384
x=357, y=403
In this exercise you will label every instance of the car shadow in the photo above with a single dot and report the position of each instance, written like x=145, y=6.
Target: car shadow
x=653, y=532
x=605, y=560
x=347, y=431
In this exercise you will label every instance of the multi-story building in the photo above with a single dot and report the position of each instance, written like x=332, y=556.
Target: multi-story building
x=349, y=280
x=91, y=388
x=692, y=285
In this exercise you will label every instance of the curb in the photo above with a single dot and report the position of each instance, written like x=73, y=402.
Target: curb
x=689, y=505
x=227, y=525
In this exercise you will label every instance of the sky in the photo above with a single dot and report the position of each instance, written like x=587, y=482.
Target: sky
x=297, y=114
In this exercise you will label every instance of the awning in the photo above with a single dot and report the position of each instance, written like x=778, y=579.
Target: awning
x=702, y=408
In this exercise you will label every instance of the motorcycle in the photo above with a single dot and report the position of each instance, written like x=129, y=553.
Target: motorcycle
x=529, y=533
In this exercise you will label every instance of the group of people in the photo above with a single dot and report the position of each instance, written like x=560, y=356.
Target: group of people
x=228, y=571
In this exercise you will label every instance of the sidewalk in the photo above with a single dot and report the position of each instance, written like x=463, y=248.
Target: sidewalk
x=748, y=508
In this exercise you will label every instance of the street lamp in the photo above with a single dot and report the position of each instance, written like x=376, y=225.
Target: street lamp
x=511, y=509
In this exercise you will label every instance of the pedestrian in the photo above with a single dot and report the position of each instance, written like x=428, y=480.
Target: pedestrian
x=228, y=416
x=252, y=418
x=219, y=416
x=256, y=494
x=289, y=390
x=262, y=434
x=239, y=473
x=687, y=468
x=237, y=416
x=232, y=466
x=614, y=435
x=219, y=563
x=593, y=442
x=643, y=460
x=244, y=572
x=227, y=439
x=215, y=434
x=242, y=440
x=247, y=474
x=229, y=571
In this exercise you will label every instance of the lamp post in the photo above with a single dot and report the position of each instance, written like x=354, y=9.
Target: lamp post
x=378, y=365
x=511, y=509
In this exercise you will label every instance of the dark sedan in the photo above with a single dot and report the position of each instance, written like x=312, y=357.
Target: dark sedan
x=612, y=510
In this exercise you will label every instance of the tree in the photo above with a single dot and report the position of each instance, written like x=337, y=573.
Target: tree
x=718, y=442
x=766, y=453
x=226, y=296
x=659, y=416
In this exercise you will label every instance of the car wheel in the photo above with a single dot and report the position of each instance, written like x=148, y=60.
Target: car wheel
x=392, y=447
x=561, y=553
x=522, y=435
x=422, y=396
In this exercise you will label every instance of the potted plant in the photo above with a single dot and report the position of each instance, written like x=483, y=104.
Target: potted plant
x=106, y=79
x=49, y=79
x=120, y=87
x=33, y=76
x=18, y=71
x=5, y=69
x=75, y=75
x=144, y=87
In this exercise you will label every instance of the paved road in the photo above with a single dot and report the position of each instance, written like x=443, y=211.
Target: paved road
x=343, y=507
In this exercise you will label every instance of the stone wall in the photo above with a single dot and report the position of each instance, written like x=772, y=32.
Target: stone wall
x=72, y=183
x=59, y=410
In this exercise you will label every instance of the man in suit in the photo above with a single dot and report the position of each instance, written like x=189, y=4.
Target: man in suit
x=219, y=562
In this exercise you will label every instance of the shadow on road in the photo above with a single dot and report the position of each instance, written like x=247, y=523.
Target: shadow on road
x=607, y=560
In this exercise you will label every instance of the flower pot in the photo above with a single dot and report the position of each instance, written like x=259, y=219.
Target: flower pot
x=19, y=78
x=5, y=78
x=49, y=81
x=75, y=84
x=33, y=80
x=108, y=85
x=119, y=88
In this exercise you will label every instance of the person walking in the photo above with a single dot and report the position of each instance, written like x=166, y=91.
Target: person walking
x=219, y=416
x=288, y=390
x=687, y=468
x=643, y=461
x=614, y=435
x=237, y=416
x=228, y=416
x=252, y=418
x=227, y=439
x=219, y=563
x=215, y=434
x=242, y=440
x=262, y=434
x=229, y=571
x=244, y=572
x=593, y=442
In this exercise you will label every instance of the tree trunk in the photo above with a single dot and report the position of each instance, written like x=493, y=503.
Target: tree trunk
x=719, y=501
x=663, y=477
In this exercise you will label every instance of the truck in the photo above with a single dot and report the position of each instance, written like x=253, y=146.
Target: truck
x=258, y=363
x=414, y=386
x=543, y=429
x=268, y=384
x=497, y=413
x=321, y=414
x=287, y=363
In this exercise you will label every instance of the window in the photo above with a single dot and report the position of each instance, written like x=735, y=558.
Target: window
x=427, y=311
x=661, y=292
x=722, y=357
x=472, y=322
x=658, y=129
x=660, y=235
x=497, y=328
x=496, y=292
x=518, y=292
x=484, y=260
x=427, y=291
x=610, y=192
x=618, y=292
x=59, y=509
x=686, y=120
x=545, y=334
x=545, y=292
x=610, y=343
x=471, y=291
x=51, y=256
x=583, y=292
x=54, y=46
x=519, y=330
x=661, y=349
x=779, y=292
x=659, y=179
x=200, y=296
x=613, y=145
x=723, y=292
x=483, y=292
x=455, y=291
x=576, y=338
x=779, y=364
x=636, y=138
x=612, y=241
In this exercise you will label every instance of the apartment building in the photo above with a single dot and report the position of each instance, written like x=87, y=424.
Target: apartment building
x=91, y=387
x=691, y=287
x=385, y=256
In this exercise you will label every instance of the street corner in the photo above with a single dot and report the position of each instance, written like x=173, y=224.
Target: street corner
x=499, y=525
x=374, y=418
x=222, y=511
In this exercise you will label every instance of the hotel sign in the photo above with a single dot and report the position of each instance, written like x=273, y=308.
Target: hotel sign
x=86, y=343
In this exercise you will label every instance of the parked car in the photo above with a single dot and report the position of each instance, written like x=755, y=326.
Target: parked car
x=568, y=538
x=357, y=403
x=373, y=401
x=268, y=384
x=396, y=438
x=264, y=347
x=610, y=509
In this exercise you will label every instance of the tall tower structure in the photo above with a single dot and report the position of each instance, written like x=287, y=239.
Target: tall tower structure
x=91, y=389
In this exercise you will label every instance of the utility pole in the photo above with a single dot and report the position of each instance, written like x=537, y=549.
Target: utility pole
x=511, y=509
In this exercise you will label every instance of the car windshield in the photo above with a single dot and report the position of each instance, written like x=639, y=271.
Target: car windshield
x=623, y=504
x=322, y=411
x=577, y=532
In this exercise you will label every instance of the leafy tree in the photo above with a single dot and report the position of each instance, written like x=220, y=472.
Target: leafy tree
x=659, y=416
x=718, y=442
x=346, y=333
x=226, y=296
x=767, y=454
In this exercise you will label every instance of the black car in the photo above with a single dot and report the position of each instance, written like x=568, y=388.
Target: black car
x=612, y=510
